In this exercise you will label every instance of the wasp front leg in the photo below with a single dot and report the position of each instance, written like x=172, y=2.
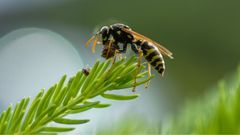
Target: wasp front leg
x=111, y=50
x=149, y=75
x=109, y=47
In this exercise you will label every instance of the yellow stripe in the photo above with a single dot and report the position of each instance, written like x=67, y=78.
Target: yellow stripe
x=153, y=58
x=150, y=51
x=158, y=63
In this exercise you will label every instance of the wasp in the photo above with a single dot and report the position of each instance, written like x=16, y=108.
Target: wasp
x=117, y=37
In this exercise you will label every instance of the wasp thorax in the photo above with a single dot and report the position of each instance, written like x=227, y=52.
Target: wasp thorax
x=120, y=25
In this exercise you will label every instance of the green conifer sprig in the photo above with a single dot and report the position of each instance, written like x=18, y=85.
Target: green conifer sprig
x=64, y=98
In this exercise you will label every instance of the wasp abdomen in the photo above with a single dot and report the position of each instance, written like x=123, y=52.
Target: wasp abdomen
x=153, y=56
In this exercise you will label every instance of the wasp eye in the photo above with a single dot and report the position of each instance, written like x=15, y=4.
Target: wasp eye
x=104, y=29
x=104, y=32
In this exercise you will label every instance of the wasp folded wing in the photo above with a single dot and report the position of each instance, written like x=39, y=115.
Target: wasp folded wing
x=138, y=36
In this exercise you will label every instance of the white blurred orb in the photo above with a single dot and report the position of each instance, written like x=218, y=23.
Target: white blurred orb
x=31, y=59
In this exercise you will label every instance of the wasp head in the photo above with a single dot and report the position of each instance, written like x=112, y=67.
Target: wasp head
x=104, y=34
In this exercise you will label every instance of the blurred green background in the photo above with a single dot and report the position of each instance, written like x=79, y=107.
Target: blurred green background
x=203, y=36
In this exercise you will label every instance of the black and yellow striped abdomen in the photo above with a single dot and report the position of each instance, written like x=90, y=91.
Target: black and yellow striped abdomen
x=153, y=56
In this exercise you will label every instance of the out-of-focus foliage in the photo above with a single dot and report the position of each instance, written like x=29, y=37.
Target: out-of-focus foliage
x=71, y=98
x=133, y=124
x=218, y=113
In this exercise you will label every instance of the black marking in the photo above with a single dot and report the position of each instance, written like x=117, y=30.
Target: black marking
x=154, y=62
x=145, y=52
x=147, y=46
x=144, y=46
x=161, y=70
x=138, y=42
x=159, y=65
x=151, y=55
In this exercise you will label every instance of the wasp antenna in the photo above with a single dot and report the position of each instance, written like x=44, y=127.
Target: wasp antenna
x=90, y=40
x=94, y=44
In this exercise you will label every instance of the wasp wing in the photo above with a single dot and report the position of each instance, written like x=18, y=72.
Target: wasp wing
x=162, y=49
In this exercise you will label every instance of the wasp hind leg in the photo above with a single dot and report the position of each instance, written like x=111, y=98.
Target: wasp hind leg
x=140, y=53
x=149, y=75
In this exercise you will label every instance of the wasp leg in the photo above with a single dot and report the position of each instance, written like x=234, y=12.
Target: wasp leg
x=138, y=68
x=149, y=75
x=116, y=53
x=109, y=46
